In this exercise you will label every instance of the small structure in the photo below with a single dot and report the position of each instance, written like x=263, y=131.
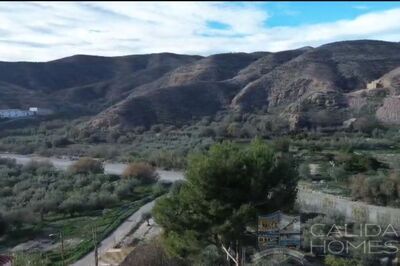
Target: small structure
x=40, y=111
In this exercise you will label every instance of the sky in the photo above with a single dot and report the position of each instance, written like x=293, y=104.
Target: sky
x=43, y=31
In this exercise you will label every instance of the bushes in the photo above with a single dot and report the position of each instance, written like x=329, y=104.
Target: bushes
x=378, y=189
x=22, y=259
x=304, y=171
x=358, y=162
x=73, y=204
x=45, y=205
x=366, y=124
x=338, y=173
x=144, y=172
x=151, y=253
x=38, y=167
x=101, y=200
x=125, y=188
x=16, y=218
x=86, y=166
x=167, y=160
x=282, y=144
x=207, y=132
x=60, y=142
x=10, y=163
x=78, y=203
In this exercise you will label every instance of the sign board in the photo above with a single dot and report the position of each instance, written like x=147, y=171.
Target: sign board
x=278, y=230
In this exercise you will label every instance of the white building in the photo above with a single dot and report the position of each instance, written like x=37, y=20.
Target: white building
x=40, y=111
x=15, y=113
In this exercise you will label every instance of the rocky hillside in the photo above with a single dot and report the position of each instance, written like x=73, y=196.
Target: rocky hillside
x=81, y=81
x=327, y=86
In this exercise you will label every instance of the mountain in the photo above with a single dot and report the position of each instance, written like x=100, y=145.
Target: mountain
x=308, y=87
x=81, y=80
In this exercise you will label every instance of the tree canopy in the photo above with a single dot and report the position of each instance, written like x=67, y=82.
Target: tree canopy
x=226, y=188
x=86, y=166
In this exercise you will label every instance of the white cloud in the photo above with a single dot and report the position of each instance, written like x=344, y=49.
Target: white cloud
x=39, y=31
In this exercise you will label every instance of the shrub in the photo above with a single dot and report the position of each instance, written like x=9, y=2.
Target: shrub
x=338, y=173
x=366, y=124
x=60, y=142
x=151, y=253
x=101, y=200
x=379, y=189
x=167, y=160
x=10, y=163
x=44, y=206
x=207, y=132
x=34, y=259
x=358, y=162
x=282, y=144
x=86, y=166
x=156, y=128
x=38, y=167
x=141, y=171
x=75, y=203
x=337, y=261
x=19, y=217
x=304, y=171
x=358, y=186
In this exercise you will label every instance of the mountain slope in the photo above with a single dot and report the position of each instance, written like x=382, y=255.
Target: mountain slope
x=82, y=79
x=308, y=87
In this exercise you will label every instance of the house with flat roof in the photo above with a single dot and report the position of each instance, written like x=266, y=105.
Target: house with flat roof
x=41, y=111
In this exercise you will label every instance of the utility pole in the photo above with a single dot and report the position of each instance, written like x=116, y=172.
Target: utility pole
x=96, y=257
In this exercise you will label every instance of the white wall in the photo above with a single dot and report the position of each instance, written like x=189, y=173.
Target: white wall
x=312, y=201
x=13, y=113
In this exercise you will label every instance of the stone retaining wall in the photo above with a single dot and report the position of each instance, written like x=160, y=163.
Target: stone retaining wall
x=313, y=201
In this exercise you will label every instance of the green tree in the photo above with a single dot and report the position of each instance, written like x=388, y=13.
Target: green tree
x=225, y=190
x=44, y=206
x=75, y=203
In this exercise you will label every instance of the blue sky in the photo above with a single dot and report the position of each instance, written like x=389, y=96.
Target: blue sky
x=41, y=31
x=301, y=13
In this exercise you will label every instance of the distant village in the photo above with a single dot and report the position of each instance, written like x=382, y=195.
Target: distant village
x=20, y=113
